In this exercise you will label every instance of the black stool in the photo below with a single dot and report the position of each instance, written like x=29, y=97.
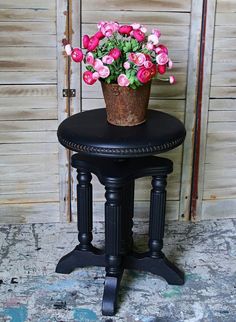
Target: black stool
x=118, y=175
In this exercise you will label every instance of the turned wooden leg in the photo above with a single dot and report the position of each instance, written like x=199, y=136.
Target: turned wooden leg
x=127, y=217
x=156, y=233
x=114, y=267
x=84, y=254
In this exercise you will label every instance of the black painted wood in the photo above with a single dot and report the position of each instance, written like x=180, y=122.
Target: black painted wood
x=89, y=133
x=118, y=156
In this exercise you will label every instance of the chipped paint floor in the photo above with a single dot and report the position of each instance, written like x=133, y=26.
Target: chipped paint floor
x=31, y=291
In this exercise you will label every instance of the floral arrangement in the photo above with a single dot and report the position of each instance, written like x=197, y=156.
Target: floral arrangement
x=122, y=54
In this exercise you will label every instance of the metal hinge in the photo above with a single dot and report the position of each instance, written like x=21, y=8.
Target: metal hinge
x=68, y=92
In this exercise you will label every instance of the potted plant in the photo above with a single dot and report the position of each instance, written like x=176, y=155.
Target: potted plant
x=125, y=59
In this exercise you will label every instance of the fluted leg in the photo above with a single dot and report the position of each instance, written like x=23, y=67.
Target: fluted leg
x=127, y=218
x=84, y=254
x=114, y=267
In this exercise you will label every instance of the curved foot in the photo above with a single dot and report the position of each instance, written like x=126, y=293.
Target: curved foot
x=111, y=288
x=80, y=258
x=158, y=266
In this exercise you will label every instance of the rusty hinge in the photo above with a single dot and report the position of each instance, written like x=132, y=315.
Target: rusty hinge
x=68, y=92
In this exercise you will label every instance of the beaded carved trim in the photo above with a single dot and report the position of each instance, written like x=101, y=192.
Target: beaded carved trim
x=121, y=151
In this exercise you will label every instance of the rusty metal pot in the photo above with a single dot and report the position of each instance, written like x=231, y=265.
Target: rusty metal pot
x=126, y=106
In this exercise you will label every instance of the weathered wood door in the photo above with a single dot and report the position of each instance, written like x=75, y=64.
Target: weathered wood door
x=32, y=74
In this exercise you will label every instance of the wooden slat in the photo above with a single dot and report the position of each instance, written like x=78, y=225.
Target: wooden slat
x=222, y=105
x=23, y=198
x=225, y=32
x=25, y=4
x=143, y=17
x=213, y=209
x=28, y=28
x=29, y=213
x=27, y=15
x=29, y=187
x=24, y=40
x=28, y=126
x=28, y=137
x=20, y=53
x=24, y=148
x=28, y=65
x=220, y=92
x=225, y=19
x=224, y=56
x=27, y=77
x=222, y=116
x=28, y=90
x=139, y=5
x=226, y=6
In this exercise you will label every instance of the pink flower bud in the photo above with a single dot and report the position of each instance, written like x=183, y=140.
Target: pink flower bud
x=154, y=39
x=150, y=46
x=103, y=71
x=156, y=32
x=88, y=77
x=172, y=79
x=139, y=35
x=89, y=58
x=162, y=59
x=93, y=43
x=126, y=65
x=122, y=80
x=143, y=29
x=125, y=30
x=161, y=48
x=95, y=75
x=170, y=64
x=148, y=64
x=77, y=55
x=135, y=25
x=140, y=59
x=161, y=69
x=97, y=64
x=86, y=41
x=68, y=49
x=107, y=59
x=115, y=53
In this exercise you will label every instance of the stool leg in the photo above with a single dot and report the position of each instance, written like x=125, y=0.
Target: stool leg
x=127, y=218
x=84, y=210
x=85, y=254
x=114, y=268
x=156, y=233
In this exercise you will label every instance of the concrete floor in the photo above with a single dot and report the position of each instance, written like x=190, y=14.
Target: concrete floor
x=31, y=291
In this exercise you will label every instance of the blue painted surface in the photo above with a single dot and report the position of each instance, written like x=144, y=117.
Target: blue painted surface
x=16, y=314
x=84, y=315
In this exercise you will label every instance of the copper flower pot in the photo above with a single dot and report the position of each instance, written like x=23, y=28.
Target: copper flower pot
x=126, y=106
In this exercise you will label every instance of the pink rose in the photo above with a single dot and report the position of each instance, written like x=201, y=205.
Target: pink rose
x=132, y=57
x=122, y=80
x=139, y=35
x=170, y=64
x=86, y=41
x=115, y=53
x=93, y=43
x=89, y=58
x=161, y=69
x=99, y=35
x=103, y=71
x=162, y=59
x=154, y=39
x=108, y=28
x=126, y=65
x=88, y=77
x=135, y=25
x=153, y=70
x=140, y=59
x=161, y=48
x=68, y=49
x=97, y=64
x=77, y=55
x=107, y=59
x=125, y=30
x=100, y=24
x=150, y=46
x=144, y=75
x=143, y=29
x=156, y=32
x=172, y=79
x=95, y=75
x=147, y=64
